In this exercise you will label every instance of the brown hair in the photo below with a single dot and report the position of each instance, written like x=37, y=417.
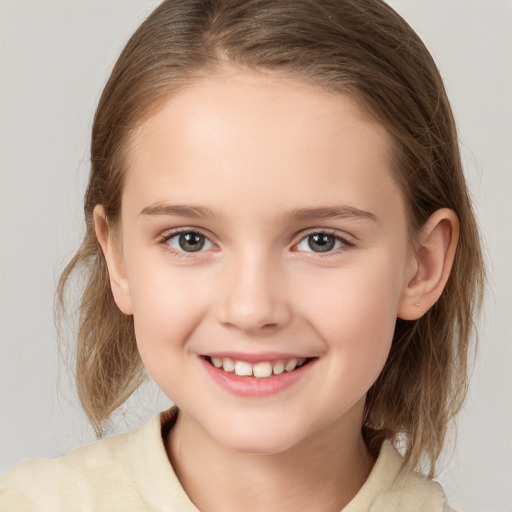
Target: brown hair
x=357, y=47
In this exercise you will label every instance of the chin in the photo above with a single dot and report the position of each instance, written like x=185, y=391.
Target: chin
x=258, y=440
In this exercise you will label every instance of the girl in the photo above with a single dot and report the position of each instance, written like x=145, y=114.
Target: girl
x=278, y=232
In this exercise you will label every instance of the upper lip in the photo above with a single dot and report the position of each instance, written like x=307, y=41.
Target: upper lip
x=257, y=357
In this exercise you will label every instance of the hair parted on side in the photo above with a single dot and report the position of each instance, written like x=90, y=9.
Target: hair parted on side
x=357, y=47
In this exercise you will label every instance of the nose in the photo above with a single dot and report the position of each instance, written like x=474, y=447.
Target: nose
x=254, y=298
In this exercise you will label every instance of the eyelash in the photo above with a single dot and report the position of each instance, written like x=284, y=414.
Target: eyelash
x=176, y=233
x=346, y=244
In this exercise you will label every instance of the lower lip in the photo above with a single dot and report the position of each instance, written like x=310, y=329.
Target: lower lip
x=253, y=386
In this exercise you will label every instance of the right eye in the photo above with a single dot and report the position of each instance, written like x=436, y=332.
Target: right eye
x=188, y=241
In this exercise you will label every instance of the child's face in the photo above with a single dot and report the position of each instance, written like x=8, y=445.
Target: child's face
x=249, y=169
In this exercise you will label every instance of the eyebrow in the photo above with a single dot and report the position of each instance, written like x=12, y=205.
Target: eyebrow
x=330, y=212
x=300, y=214
x=179, y=210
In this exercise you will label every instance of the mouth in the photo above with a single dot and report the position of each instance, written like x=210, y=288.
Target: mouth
x=259, y=370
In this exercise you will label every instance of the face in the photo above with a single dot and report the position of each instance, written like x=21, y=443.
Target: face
x=261, y=229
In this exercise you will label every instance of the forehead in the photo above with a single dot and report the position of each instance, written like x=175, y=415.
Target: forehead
x=238, y=134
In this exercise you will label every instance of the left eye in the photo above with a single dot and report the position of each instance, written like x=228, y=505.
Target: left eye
x=321, y=242
x=189, y=241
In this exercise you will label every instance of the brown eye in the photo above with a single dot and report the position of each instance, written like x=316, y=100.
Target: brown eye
x=188, y=241
x=191, y=242
x=321, y=242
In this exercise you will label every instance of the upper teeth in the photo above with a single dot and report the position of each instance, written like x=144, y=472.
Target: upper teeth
x=261, y=369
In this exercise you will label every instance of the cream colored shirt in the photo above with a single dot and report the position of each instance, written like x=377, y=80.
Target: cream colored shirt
x=131, y=473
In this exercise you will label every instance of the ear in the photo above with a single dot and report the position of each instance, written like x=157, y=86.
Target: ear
x=434, y=254
x=114, y=257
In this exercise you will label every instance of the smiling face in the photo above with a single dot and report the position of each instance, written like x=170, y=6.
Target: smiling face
x=261, y=228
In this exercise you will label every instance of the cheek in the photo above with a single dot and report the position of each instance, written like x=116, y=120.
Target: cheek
x=167, y=307
x=354, y=300
x=355, y=316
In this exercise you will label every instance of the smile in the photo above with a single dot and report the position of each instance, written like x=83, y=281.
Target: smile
x=260, y=370
x=258, y=378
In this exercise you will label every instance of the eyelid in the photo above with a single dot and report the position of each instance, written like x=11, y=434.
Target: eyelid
x=166, y=235
x=347, y=240
x=342, y=235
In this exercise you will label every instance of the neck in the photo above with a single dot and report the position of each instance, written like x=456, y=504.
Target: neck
x=320, y=474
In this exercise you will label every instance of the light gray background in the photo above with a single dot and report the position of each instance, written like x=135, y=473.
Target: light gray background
x=54, y=59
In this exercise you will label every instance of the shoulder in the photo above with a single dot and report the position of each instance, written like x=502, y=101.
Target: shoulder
x=410, y=490
x=81, y=479
x=391, y=487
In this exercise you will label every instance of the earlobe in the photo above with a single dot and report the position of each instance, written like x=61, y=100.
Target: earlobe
x=434, y=255
x=114, y=259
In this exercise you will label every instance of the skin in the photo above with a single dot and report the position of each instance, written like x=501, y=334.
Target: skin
x=253, y=149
